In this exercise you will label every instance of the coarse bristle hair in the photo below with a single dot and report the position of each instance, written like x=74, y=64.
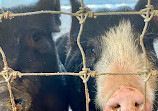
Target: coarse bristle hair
x=120, y=54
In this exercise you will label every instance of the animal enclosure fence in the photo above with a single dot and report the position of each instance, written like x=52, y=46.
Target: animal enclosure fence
x=148, y=13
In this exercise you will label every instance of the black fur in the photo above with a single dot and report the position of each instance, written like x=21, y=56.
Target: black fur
x=61, y=44
x=28, y=45
x=93, y=29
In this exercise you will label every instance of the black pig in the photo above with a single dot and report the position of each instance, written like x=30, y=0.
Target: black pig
x=90, y=40
x=28, y=45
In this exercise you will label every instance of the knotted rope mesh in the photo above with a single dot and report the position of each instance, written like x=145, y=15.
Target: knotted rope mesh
x=9, y=74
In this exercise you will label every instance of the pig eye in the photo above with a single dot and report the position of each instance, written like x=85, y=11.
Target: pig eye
x=92, y=50
x=35, y=38
x=18, y=101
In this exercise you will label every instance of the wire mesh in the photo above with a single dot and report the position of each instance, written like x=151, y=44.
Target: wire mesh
x=148, y=13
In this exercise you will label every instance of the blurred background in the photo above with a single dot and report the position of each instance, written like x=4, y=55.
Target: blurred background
x=90, y=3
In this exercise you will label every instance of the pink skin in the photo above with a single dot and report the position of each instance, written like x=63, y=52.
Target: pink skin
x=127, y=99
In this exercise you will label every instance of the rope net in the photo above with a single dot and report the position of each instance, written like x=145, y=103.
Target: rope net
x=8, y=74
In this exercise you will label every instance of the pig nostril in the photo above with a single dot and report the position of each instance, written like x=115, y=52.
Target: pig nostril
x=137, y=105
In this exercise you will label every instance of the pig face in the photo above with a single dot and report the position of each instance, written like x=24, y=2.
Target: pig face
x=120, y=54
x=29, y=37
x=28, y=45
x=91, y=39
x=93, y=29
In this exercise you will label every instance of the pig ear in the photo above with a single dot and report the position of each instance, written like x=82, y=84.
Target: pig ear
x=154, y=22
x=75, y=26
x=53, y=5
x=45, y=19
x=48, y=5
x=142, y=3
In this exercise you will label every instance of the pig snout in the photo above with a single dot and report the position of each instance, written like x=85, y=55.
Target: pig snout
x=127, y=99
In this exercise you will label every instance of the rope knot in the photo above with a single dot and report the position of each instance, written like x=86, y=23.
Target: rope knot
x=146, y=70
x=147, y=13
x=93, y=74
x=155, y=12
x=86, y=70
x=92, y=15
x=85, y=76
x=88, y=73
x=153, y=73
x=150, y=7
x=83, y=9
x=82, y=15
x=150, y=71
x=7, y=74
x=6, y=15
